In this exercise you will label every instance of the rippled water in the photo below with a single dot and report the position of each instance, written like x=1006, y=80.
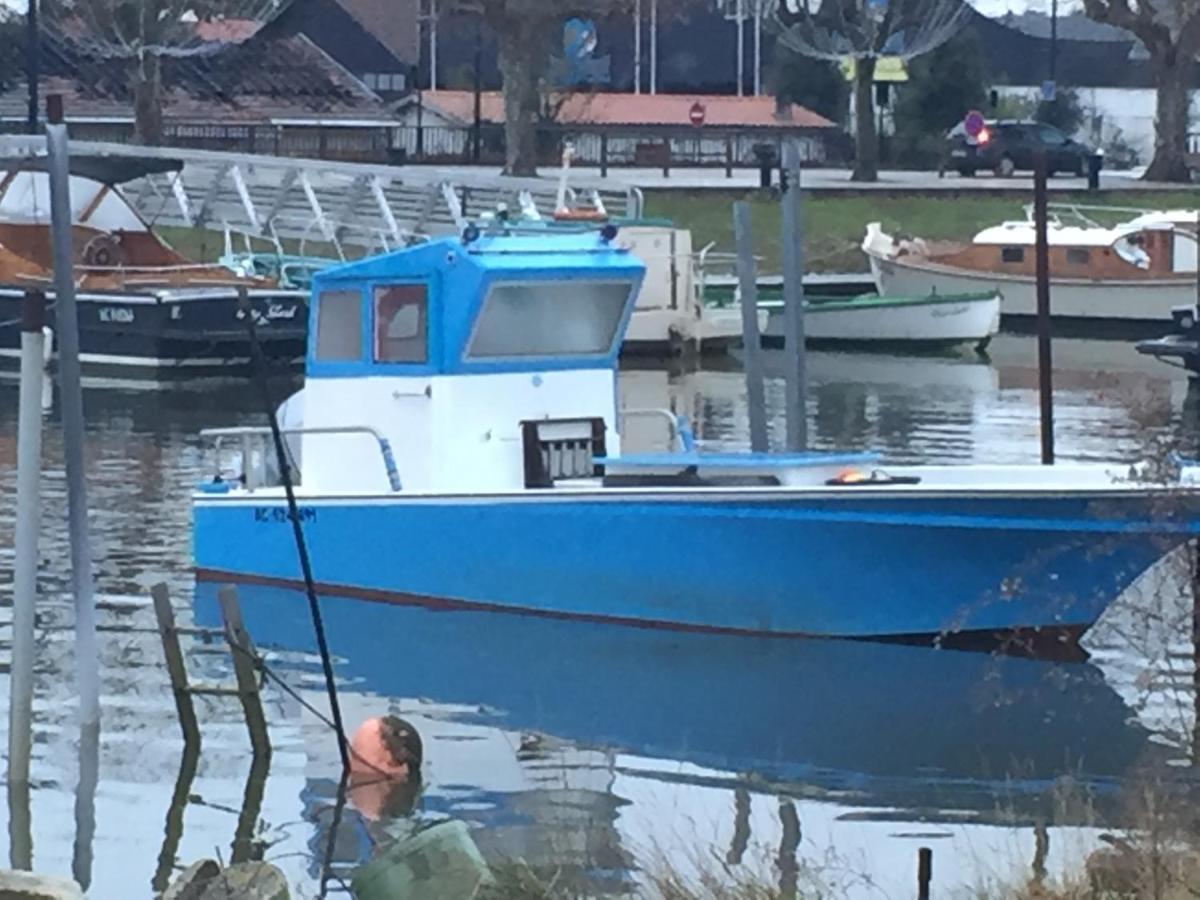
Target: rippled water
x=600, y=751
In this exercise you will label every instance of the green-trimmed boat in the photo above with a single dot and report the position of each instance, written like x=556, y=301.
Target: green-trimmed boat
x=932, y=321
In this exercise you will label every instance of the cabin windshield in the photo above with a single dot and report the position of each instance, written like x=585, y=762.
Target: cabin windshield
x=573, y=318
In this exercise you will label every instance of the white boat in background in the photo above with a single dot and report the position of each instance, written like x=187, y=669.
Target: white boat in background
x=933, y=320
x=926, y=321
x=1128, y=275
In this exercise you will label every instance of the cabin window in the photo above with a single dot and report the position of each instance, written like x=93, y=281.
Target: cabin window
x=1012, y=254
x=1078, y=256
x=339, y=326
x=400, y=313
x=549, y=319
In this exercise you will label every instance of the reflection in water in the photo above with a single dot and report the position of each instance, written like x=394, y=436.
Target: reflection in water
x=85, y=804
x=20, y=826
x=173, y=832
x=594, y=748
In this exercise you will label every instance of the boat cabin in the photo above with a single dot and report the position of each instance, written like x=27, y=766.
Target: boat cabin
x=488, y=363
x=1151, y=249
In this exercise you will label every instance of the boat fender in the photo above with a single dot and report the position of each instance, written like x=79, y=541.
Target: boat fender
x=852, y=477
x=387, y=746
x=385, y=768
x=580, y=215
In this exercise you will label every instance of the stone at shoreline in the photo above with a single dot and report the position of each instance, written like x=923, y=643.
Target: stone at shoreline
x=192, y=881
x=16, y=885
x=248, y=881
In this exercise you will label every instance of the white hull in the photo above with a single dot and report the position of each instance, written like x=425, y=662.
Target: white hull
x=721, y=326
x=1129, y=301
x=935, y=321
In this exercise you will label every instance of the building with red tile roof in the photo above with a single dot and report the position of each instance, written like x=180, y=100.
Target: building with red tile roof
x=622, y=128
x=616, y=110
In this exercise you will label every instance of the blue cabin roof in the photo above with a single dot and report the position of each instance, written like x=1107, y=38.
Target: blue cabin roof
x=497, y=303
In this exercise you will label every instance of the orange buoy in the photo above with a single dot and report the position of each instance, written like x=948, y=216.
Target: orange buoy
x=579, y=215
x=387, y=747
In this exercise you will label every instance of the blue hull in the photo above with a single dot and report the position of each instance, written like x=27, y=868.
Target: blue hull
x=848, y=566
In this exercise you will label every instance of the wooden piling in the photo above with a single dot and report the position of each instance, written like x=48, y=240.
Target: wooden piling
x=792, y=243
x=243, y=669
x=751, y=340
x=1042, y=256
x=28, y=525
x=176, y=669
x=87, y=669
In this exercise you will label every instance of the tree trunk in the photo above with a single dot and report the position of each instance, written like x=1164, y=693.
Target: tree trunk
x=866, y=141
x=1171, y=119
x=147, y=101
x=518, y=60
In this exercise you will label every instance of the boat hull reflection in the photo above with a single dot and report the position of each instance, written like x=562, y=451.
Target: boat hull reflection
x=887, y=723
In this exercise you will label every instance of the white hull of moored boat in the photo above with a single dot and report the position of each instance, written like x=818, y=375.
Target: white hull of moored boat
x=1128, y=301
x=935, y=320
x=720, y=327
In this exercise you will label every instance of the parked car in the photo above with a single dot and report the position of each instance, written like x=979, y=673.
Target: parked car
x=1006, y=145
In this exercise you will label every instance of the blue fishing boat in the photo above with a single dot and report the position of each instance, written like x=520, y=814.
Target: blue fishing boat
x=460, y=447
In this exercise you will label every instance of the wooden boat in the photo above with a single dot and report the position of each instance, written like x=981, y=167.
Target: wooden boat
x=460, y=409
x=1129, y=275
x=143, y=306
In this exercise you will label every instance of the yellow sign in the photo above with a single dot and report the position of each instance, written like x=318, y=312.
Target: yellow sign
x=887, y=68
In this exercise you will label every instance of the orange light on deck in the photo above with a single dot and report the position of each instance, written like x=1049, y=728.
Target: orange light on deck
x=984, y=136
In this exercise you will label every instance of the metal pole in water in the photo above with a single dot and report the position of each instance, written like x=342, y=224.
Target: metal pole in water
x=751, y=341
x=924, y=872
x=285, y=475
x=793, y=302
x=87, y=676
x=29, y=474
x=1042, y=254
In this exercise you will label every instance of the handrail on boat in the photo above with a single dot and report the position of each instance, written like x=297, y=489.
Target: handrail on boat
x=245, y=433
x=681, y=429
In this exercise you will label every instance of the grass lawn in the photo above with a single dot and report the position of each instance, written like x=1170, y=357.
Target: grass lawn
x=834, y=225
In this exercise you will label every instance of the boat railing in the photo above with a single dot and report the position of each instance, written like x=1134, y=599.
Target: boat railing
x=720, y=264
x=252, y=442
x=680, y=428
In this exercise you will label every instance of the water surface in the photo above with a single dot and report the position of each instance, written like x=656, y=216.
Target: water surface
x=599, y=751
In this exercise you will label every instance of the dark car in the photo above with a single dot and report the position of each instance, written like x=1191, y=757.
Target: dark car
x=1005, y=145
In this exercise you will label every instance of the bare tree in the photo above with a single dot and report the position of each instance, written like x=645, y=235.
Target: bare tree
x=144, y=32
x=528, y=32
x=1170, y=32
x=864, y=31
